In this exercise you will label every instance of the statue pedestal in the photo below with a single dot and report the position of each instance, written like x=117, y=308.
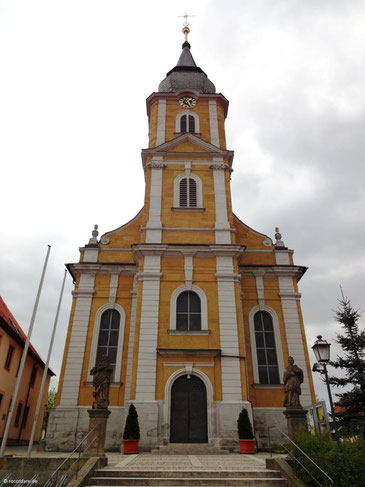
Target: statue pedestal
x=297, y=420
x=96, y=441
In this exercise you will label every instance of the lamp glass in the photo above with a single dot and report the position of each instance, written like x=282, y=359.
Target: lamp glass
x=321, y=349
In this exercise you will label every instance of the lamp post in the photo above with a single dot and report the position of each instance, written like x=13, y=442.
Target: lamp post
x=321, y=349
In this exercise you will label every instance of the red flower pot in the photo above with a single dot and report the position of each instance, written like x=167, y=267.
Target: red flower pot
x=130, y=446
x=247, y=446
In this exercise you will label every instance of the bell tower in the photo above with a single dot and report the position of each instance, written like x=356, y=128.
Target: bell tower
x=196, y=311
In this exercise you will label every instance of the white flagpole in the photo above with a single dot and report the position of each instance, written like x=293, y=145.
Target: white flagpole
x=45, y=370
x=24, y=356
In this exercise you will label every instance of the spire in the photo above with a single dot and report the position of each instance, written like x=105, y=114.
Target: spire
x=186, y=74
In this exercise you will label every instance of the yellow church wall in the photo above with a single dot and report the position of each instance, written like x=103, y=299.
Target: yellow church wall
x=153, y=124
x=221, y=128
x=65, y=353
x=188, y=237
x=262, y=397
x=229, y=199
x=101, y=297
x=187, y=146
x=122, y=238
x=241, y=340
x=123, y=257
x=136, y=341
x=173, y=109
x=259, y=258
x=252, y=240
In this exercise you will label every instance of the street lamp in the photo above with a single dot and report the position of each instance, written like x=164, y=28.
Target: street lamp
x=321, y=349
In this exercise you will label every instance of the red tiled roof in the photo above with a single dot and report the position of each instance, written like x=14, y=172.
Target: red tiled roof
x=11, y=321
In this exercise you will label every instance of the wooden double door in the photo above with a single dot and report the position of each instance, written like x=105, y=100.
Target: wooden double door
x=188, y=422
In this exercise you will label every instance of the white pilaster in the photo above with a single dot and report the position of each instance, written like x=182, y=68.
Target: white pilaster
x=293, y=331
x=213, y=121
x=113, y=288
x=260, y=290
x=188, y=271
x=161, y=122
x=153, y=232
x=72, y=378
x=146, y=371
x=223, y=236
x=231, y=376
x=132, y=328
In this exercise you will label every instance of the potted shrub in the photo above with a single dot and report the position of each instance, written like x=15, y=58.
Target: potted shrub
x=245, y=434
x=131, y=433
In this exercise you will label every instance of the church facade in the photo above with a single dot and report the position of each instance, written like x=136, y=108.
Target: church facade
x=197, y=312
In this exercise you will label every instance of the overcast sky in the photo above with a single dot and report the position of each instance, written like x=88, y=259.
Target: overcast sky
x=74, y=76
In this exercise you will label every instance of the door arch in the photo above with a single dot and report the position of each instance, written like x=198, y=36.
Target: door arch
x=188, y=415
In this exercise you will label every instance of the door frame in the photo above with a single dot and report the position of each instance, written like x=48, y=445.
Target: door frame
x=208, y=386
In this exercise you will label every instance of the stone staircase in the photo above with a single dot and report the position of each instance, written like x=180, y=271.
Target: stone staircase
x=188, y=470
x=189, y=449
x=267, y=478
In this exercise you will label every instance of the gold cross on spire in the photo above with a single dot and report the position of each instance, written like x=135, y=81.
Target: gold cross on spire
x=186, y=29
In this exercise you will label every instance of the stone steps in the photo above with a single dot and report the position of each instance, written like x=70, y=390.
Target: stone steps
x=189, y=449
x=161, y=478
x=109, y=472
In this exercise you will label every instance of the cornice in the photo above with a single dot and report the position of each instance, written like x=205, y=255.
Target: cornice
x=167, y=352
x=273, y=271
x=176, y=250
x=101, y=269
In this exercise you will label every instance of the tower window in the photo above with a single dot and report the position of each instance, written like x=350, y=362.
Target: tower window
x=188, y=193
x=188, y=312
x=108, y=336
x=187, y=124
x=266, y=349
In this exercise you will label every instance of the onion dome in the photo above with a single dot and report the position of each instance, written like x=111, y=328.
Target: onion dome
x=185, y=75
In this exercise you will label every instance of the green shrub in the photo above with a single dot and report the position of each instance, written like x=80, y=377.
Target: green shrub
x=131, y=429
x=323, y=450
x=244, y=426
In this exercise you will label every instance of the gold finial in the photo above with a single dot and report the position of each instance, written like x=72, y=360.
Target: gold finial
x=186, y=29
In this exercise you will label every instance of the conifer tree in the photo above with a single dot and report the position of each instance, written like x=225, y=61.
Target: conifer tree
x=351, y=417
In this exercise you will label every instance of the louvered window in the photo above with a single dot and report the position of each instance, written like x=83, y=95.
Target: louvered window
x=266, y=349
x=188, y=312
x=108, y=336
x=187, y=124
x=188, y=193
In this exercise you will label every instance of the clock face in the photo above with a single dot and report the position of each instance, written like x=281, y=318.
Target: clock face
x=187, y=102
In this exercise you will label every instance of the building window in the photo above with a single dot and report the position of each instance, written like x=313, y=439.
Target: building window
x=187, y=124
x=187, y=121
x=18, y=413
x=188, y=191
x=188, y=312
x=267, y=361
x=108, y=336
x=1, y=398
x=188, y=194
x=33, y=376
x=108, y=324
x=9, y=357
x=25, y=417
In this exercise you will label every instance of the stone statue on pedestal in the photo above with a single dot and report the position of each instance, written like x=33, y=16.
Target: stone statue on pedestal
x=293, y=377
x=102, y=373
x=295, y=414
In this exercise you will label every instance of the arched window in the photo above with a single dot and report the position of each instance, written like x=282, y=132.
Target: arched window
x=187, y=124
x=108, y=336
x=187, y=121
x=188, y=311
x=267, y=361
x=188, y=193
